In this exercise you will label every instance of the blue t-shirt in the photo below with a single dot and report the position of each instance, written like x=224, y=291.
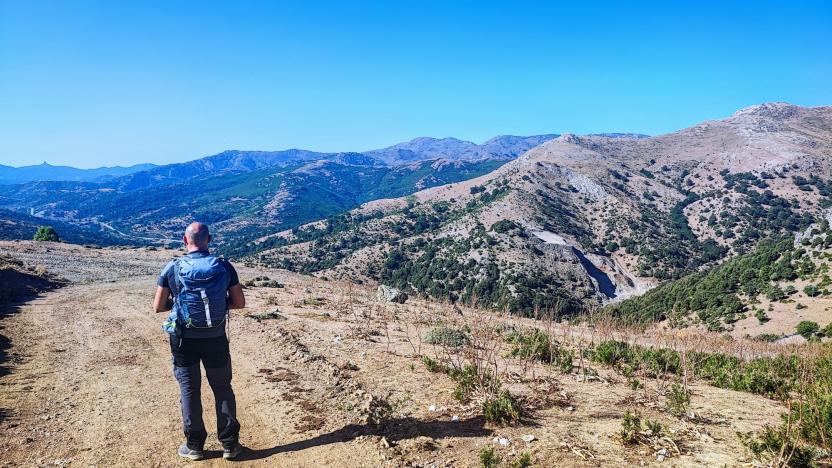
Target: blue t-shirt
x=167, y=280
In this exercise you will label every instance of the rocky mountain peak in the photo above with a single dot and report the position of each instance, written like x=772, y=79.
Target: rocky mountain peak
x=772, y=110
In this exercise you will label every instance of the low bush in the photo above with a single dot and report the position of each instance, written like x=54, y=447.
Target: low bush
x=635, y=431
x=432, y=365
x=46, y=234
x=501, y=409
x=524, y=460
x=767, y=337
x=768, y=376
x=488, y=458
x=630, y=428
x=807, y=329
x=813, y=408
x=537, y=345
x=469, y=379
x=446, y=336
x=776, y=447
x=678, y=400
x=611, y=352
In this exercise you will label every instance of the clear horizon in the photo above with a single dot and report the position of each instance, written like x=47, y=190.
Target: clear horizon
x=92, y=84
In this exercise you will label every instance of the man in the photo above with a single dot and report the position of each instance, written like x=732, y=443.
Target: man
x=200, y=289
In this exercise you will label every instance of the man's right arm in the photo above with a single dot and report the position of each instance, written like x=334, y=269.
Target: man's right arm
x=162, y=302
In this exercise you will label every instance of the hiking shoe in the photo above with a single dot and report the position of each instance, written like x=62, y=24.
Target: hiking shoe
x=230, y=453
x=189, y=453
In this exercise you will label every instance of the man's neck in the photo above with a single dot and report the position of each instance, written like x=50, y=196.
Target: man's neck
x=197, y=249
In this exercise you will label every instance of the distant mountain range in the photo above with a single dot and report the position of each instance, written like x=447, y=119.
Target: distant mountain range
x=503, y=147
x=453, y=149
x=17, y=175
x=248, y=194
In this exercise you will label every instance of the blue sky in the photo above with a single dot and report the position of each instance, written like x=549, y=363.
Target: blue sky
x=102, y=83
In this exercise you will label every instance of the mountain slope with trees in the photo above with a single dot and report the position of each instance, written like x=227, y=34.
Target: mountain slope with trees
x=585, y=220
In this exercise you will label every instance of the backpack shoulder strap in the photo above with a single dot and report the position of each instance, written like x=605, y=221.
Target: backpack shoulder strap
x=176, y=278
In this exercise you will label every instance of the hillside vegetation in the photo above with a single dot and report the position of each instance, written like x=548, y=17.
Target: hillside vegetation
x=785, y=270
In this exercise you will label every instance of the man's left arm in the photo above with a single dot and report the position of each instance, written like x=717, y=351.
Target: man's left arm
x=236, y=298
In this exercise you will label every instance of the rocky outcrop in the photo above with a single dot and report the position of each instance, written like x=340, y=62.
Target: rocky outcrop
x=389, y=294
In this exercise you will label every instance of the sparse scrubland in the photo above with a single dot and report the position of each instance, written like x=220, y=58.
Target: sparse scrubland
x=327, y=371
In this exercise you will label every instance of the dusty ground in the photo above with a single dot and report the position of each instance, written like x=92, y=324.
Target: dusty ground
x=86, y=381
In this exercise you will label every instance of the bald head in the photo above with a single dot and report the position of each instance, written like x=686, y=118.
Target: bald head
x=196, y=236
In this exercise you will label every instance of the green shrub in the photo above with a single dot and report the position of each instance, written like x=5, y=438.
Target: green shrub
x=524, y=460
x=807, y=329
x=537, y=345
x=768, y=445
x=655, y=427
x=767, y=337
x=770, y=376
x=502, y=409
x=634, y=384
x=630, y=427
x=488, y=458
x=813, y=408
x=611, y=352
x=468, y=379
x=761, y=317
x=503, y=226
x=446, y=336
x=432, y=365
x=658, y=361
x=678, y=400
x=811, y=290
x=563, y=359
x=634, y=431
x=47, y=234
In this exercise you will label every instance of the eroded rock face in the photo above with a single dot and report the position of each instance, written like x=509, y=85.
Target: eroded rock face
x=389, y=294
x=808, y=232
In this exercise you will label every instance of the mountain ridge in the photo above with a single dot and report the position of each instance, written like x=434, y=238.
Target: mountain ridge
x=46, y=171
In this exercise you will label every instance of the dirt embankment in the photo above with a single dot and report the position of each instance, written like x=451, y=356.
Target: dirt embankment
x=19, y=281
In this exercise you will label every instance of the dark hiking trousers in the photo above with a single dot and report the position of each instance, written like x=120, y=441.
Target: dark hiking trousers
x=215, y=357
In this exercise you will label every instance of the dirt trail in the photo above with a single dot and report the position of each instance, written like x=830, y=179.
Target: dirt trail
x=89, y=383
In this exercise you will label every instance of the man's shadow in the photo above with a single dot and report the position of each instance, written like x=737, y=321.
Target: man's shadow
x=394, y=430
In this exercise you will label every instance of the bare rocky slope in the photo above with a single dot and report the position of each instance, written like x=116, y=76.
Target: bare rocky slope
x=585, y=220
